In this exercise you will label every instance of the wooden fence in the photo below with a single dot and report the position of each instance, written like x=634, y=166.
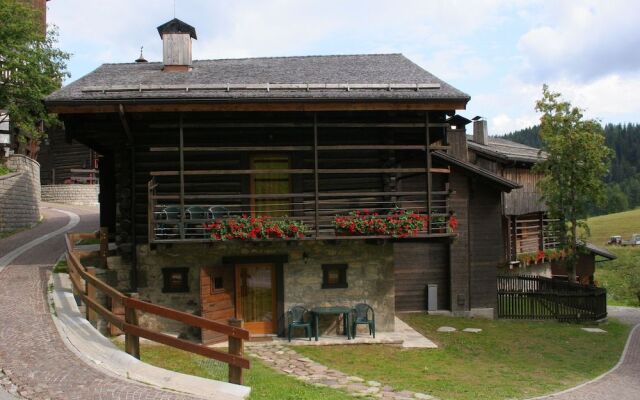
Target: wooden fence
x=85, y=285
x=535, y=297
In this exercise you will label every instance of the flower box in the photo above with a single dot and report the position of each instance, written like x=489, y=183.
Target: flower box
x=256, y=228
x=399, y=223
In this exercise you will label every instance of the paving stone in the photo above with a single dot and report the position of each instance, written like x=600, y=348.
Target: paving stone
x=374, y=383
x=423, y=396
x=472, y=330
x=33, y=355
x=594, y=330
x=446, y=329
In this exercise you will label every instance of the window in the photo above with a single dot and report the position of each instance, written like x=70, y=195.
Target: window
x=176, y=280
x=217, y=284
x=334, y=276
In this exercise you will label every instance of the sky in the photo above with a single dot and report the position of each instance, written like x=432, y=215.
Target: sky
x=499, y=52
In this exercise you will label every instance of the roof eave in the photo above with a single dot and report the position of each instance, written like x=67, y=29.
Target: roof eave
x=505, y=185
x=80, y=106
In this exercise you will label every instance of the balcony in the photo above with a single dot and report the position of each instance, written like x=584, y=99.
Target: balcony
x=316, y=216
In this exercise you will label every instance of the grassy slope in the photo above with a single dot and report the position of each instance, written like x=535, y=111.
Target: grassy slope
x=265, y=383
x=614, y=275
x=509, y=359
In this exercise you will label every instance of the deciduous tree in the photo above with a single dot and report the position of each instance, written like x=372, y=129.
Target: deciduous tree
x=573, y=172
x=31, y=67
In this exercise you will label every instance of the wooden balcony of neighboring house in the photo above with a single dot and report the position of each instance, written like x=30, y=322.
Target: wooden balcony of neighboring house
x=529, y=235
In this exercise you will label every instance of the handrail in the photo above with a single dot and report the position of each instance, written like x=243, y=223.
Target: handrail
x=129, y=325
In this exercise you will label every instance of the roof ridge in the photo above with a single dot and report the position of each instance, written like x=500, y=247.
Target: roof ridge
x=273, y=57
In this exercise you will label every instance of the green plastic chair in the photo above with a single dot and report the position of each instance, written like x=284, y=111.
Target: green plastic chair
x=296, y=317
x=169, y=230
x=196, y=230
x=361, y=317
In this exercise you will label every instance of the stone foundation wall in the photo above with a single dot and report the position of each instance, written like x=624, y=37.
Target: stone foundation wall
x=370, y=275
x=77, y=195
x=20, y=194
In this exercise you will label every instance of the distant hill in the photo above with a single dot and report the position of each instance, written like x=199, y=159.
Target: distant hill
x=623, y=181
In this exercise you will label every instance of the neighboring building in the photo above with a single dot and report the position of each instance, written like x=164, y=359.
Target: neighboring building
x=527, y=229
x=300, y=139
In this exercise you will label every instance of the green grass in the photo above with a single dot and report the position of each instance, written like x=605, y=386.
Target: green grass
x=265, y=383
x=4, y=170
x=509, y=359
x=61, y=267
x=623, y=223
x=621, y=277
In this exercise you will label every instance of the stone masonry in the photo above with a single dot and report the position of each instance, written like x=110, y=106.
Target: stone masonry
x=369, y=274
x=76, y=195
x=20, y=194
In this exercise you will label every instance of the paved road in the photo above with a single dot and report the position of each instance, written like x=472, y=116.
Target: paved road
x=32, y=354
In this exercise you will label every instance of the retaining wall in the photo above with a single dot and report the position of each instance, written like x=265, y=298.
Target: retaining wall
x=77, y=195
x=20, y=194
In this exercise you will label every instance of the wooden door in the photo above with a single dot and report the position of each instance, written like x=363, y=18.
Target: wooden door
x=217, y=289
x=256, y=297
x=272, y=183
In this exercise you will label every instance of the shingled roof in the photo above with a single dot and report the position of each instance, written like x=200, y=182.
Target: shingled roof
x=386, y=77
x=506, y=150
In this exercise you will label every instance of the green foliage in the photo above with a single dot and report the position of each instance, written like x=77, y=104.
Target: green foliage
x=4, y=169
x=576, y=164
x=31, y=67
x=61, y=267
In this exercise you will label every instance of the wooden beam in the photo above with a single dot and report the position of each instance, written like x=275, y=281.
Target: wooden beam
x=316, y=180
x=301, y=171
x=182, y=172
x=81, y=107
x=297, y=148
x=125, y=123
x=429, y=178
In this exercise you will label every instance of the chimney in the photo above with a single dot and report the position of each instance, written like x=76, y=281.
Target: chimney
x=480, y=131
x=176, y=45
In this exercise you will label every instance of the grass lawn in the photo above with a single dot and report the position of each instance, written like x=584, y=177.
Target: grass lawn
x=621, y=277
x=265, y=383
x=509, y=359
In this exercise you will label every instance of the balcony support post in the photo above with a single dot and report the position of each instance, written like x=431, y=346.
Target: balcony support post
x=182, y=218
x=429, y=180
x=315, y=175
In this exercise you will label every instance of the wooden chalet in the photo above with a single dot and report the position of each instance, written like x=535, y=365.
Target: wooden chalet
x=527, y=229
x=185, y=144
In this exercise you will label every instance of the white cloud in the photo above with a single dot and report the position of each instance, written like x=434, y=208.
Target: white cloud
x=582, y=40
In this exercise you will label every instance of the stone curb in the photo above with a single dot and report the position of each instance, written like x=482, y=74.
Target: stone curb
x=90, y=346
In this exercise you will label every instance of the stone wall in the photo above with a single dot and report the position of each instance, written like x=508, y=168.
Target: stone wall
x=20, y=194
x=369, y=274
x=77, y=195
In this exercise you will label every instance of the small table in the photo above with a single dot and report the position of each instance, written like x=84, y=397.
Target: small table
x=345, y=311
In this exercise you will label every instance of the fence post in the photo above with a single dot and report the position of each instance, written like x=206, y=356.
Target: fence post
x=104, y=242
x=236, y=347
x=90, y=292
x=131, y=342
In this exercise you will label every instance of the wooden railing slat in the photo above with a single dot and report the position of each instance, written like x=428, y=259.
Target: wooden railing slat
x=189, y=319
x=188, y=346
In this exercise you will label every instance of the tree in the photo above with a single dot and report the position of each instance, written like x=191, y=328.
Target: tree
x=31, y=67
x=573, y=172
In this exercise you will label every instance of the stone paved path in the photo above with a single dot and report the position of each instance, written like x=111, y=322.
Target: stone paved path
x=624, y=382
x=284, y=359
x=32, y=355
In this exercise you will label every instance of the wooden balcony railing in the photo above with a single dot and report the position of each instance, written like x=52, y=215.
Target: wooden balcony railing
x=171, y=222
x=85, y=285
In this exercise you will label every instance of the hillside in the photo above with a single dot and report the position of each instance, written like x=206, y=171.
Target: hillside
x=623, y=180
x=621, y=277
x=623, y=223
